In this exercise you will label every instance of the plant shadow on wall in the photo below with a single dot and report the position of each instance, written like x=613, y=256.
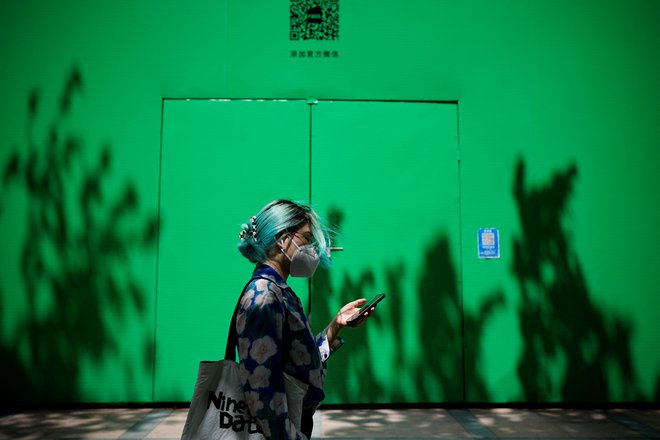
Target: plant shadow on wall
x=571, y=350
x=74, y=263
x=435, y=373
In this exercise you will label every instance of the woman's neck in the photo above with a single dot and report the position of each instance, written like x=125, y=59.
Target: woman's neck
x=279, y=267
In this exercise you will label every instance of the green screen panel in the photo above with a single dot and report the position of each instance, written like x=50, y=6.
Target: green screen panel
x=386, y=176
x=221, y=162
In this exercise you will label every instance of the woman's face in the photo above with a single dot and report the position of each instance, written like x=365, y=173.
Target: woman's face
x=301, y=236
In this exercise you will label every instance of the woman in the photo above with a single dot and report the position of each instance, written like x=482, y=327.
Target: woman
x=274, y=337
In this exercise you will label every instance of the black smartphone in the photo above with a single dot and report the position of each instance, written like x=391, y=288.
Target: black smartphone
x=367, y=306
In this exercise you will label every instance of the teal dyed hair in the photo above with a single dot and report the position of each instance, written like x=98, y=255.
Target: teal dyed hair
x=274, y=221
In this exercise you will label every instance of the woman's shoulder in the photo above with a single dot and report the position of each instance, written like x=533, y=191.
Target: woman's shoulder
x=261, y=292
x=265, y=284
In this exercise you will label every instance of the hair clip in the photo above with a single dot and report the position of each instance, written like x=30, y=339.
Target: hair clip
x=250, y=229
x=253, y=221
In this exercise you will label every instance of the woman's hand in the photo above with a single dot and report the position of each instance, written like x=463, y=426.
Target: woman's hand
x=344, y=315
x=342, y=319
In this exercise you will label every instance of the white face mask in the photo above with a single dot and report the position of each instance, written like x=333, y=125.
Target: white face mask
x=304, y=261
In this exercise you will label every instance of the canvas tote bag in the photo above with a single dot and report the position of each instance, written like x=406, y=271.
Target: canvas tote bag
x=218, y=409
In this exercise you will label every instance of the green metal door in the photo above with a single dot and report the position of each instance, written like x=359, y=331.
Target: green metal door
x=221, y=161
x=385, y=174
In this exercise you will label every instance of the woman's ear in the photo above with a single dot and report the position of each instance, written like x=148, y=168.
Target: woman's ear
x=280, y=238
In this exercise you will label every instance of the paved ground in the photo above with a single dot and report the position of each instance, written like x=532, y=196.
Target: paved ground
x=518, y=424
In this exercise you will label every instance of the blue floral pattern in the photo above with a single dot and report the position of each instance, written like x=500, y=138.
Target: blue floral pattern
x=275, y=337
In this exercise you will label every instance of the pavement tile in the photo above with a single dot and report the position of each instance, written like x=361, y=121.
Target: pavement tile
x=505, y=422
x=586, y=423
x=553, y=423
x=171, y=427
x=390, y=423
x=649, y=417
x=75, y=424
x=355, y=423
x=434, y=423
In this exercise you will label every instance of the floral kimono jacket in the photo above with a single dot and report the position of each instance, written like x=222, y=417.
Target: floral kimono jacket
x=274, y=337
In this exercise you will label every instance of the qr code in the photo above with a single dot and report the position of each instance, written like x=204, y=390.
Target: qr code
x=488, y=239
x=314, y=20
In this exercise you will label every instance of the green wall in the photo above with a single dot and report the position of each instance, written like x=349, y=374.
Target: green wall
x=558, y=135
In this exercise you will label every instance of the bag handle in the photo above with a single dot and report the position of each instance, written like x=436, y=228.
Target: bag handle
x=232, y=336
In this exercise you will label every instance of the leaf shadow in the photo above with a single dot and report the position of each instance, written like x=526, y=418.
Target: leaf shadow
x=570, y=346
x=74, y=261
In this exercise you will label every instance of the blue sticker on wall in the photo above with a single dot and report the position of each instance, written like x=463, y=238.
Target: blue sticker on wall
x=489, y=243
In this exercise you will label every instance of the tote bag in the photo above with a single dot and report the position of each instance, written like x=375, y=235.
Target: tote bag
x=218, y=409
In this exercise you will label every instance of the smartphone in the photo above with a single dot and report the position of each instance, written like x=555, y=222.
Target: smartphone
x=367, y=306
